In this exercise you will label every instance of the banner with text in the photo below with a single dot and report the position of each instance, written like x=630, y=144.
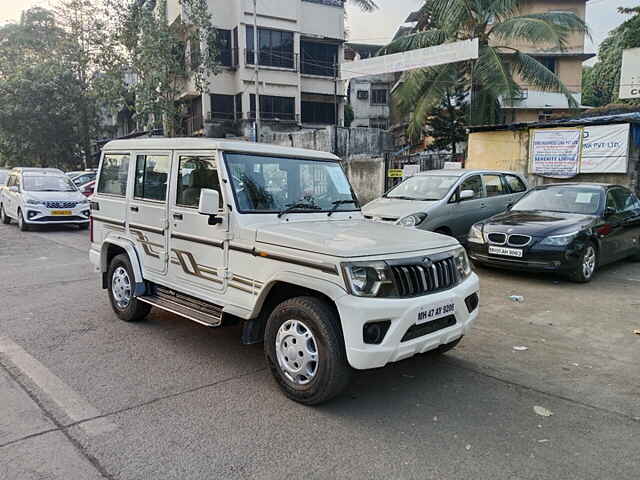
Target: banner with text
x=556, y=153
x=605, y=149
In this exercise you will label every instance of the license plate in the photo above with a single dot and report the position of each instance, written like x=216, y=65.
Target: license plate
x=508, y=252
x=61, y=212
x=435, y=311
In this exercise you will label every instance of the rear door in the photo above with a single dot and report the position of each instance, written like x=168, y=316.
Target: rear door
x=9, y=197
x=147, y=218
x=517, y=188
x=498, y=194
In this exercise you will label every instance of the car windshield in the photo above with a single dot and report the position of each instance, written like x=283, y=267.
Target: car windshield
x=3, y=177
x=423, y=187
x=582, y=200
x=267, y=184
x=48, y=183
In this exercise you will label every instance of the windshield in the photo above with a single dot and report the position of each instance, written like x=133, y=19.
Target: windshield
x=48, y=183
x=264, y=184
x=3, y=177
x=582, y=200
x=423, y=187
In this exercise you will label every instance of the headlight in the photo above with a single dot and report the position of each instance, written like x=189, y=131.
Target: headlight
x=475, y=234
x=412, y=220
x=33, y=201
x=84, y=201
x=369, y=279
x=462, y=263
x=559, y=240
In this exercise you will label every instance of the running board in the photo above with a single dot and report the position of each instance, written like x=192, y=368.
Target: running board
x=186, y=306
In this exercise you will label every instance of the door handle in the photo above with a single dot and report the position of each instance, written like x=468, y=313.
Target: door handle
x=134, y=209
x=177, y=216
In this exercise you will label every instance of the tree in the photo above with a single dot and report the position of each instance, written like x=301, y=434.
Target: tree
x=491, y=79
x=145, y=47
x=365, y=5
x=601, y=83
x=447, y=121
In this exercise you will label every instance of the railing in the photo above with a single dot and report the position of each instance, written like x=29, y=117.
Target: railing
x=227, y=116
x=275, y=116
x=193, y=124
x=271, y=57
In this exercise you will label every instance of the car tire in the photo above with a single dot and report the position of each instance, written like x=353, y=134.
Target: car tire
x=587, y=265
x=120, y=285
x=22, y=225
x=305, y=350
x=447, y=346
x=4, y=218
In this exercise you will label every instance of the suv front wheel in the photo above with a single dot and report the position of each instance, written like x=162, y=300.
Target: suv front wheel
x=305, y=351
x=121, y=285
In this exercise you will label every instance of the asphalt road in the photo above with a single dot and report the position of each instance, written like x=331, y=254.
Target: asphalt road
x=86, y=396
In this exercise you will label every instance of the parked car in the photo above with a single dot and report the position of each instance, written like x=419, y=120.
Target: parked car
x=567, y=228
x=4, y=174
x=82, y=178
x=42, y=196
x=447, y=201
x=274, y=237
x=88, y=188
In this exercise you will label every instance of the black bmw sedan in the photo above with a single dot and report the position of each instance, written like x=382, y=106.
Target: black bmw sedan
x=568, y=228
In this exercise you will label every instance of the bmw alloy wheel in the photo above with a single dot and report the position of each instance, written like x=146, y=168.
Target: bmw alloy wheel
x=589, y=262
x=297, y=352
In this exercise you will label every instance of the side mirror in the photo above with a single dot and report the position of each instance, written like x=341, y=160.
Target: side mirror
x=609, y=212
x=14, y=189
x=467, y=194
x=209, y=205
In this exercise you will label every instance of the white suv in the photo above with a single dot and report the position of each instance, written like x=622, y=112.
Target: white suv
x=40, y=196
x=220, y=231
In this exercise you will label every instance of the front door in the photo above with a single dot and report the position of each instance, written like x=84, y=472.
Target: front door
x=197, y=249
x=467, y=212
x=147, y=216
x=624, y=224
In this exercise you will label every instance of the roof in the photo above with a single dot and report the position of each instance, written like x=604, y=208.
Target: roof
x=37, y=170
x=633, y=117
x=214, y=144
x=458, y=172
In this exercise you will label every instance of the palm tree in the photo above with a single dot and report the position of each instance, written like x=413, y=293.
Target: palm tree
x=491, y=79
x=365, y=5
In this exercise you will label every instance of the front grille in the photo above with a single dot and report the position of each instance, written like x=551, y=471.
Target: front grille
x=516, y=240
x=421, y=278
x=60, y=204
x=61, y=219
x=497, y=238
x=423, y=329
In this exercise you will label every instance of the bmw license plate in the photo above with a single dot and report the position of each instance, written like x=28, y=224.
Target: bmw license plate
x=508, y=252
x=436, y=311
x=61, y=212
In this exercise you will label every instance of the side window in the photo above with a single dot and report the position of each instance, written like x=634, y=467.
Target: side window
x=194, y=174
x=494, y=186
x=152, y=174
x=473, y=183
x=114, y=174
x=515, y=184
x=622, y=200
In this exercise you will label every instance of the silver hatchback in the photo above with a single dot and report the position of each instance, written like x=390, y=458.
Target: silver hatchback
x=448, y=201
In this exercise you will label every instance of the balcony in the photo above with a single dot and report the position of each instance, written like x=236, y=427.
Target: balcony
x=275, y=58
x=193, y=125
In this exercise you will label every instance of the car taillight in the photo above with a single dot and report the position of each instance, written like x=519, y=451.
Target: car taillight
x=91, y=228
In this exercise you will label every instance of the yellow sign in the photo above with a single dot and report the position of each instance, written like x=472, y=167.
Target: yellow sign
x=394, y=173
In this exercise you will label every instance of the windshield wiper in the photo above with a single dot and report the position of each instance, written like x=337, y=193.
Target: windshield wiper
x=337, y=203
x=298, y=206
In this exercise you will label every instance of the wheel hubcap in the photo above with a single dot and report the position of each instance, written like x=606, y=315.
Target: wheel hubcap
x=297, y=352
x=589, y=262
x=121, y=288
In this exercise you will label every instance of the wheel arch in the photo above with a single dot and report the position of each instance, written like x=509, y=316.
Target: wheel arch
x=116, y=246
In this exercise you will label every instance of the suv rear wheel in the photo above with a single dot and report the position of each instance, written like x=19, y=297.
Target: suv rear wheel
x=121, y=286
x=6, y=220
x=305, y=351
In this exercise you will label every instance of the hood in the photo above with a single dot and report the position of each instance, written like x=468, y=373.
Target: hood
x=74, y=196
x=394, y=209
x=350, y=238
x=537, y=223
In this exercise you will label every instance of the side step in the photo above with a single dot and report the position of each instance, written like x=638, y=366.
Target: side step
x=184, y=305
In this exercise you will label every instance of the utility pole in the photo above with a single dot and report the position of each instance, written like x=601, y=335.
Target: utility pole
x=256, y=60
x=335, y=102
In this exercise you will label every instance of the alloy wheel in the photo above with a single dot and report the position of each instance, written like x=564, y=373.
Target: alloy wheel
x=297, y=352
x=121, y=288
x=589, y=262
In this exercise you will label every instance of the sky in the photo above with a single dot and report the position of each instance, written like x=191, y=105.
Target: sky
x=380, y=26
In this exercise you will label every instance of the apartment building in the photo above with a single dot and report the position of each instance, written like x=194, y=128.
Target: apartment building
x=533, y=104
x=299, y=44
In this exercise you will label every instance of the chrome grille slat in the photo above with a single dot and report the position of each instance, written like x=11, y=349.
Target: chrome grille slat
x=420, y=278
x=60, y=204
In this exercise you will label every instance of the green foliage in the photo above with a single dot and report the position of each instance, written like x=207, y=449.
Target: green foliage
x=447, y=122
x=349, y=115
x=490, y=79
x=601, y=83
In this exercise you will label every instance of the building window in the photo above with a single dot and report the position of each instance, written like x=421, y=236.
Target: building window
x=222, y=107
x=549, y=62
x=238, y=106
x=381, y=123
x=152, y=173
x=318, y=58
x=545, y=115
x=195, y=55
x=225, y=48
x=379, y=96
x=275, y=47
x=319, y=113
x=274, y=108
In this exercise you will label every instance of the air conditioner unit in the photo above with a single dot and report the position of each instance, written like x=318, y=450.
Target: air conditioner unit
x=363, y=94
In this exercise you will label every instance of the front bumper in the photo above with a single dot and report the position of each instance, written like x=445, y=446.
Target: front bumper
x=41, y=215
x=355, y=312
x=535, y=258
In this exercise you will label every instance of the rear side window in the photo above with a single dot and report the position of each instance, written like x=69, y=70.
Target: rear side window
x=473, y=183
x=114, y=174
x=194, y=174
x=494, y=185
x=152, y=174
x=515, y=184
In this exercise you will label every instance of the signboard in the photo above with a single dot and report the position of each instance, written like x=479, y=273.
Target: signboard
x=453, y=165
x=411, y=60
x=394, y=173
x=630, y=75
x=410, y=170
x=555, y=153
x=605, y=149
